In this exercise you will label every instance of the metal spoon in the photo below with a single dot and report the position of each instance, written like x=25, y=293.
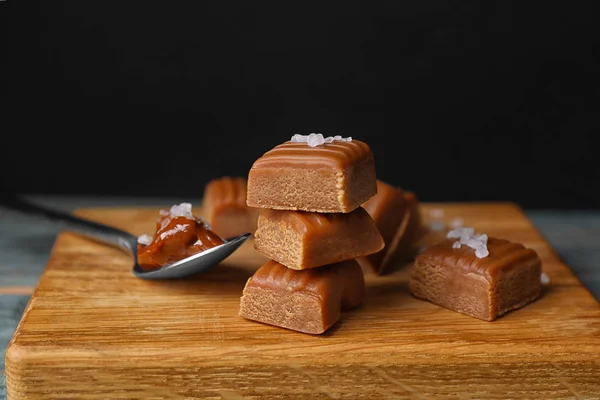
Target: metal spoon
x=199, y=262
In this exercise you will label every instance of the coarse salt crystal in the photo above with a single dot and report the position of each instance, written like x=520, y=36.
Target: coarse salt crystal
x=299, y=138
x=482, y=237
x=467, y=236
x=482, y=252
x=144, y=239
x=468, y=231
x=456, y=245
x=464, y=238
x=317, y=139
x=177, y=210
x=181, y=210
x=453, y=234
x=544, y=278
x=474, y=243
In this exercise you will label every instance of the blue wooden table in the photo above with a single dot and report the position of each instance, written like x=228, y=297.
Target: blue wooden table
x=25, y=245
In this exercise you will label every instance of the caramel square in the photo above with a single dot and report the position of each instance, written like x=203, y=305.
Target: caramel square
x=397, y=215
x=309, y=301
x=408, y=245
x=456, y=278
x=388, y=208
x=333, y=177
x=304, y=240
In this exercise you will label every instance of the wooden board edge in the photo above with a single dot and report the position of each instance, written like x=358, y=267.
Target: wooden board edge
x=544, y=379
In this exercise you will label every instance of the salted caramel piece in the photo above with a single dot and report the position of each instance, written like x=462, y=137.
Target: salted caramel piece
x=408, y=243
x=334, y=177
x=224, y=207
x=307, y=301
x=304, y=240
x=451, y=275
x=389, y=210
x=397, y=215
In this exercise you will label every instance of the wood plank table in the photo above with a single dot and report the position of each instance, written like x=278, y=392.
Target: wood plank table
x=26, y=246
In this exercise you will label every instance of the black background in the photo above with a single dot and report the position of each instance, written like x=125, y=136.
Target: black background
x=460, y=101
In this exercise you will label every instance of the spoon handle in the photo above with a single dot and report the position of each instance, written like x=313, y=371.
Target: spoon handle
x=91, y=229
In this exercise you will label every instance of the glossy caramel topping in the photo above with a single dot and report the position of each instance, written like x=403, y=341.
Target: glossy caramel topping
x=389, y=210
x=323, y=282
x=322, y=223
x=337, y=155
x=503, y=254
x=226, y=191
x=176, y=238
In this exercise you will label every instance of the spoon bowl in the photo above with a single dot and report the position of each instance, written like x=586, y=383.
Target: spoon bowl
x=191, y=265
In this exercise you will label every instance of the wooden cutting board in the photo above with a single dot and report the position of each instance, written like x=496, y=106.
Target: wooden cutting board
x=93, y=330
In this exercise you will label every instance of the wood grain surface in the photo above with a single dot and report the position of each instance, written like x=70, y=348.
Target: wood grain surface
x=93, y=330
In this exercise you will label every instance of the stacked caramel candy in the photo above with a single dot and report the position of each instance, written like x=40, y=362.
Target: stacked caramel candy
x=397, y=214
x=312, y=227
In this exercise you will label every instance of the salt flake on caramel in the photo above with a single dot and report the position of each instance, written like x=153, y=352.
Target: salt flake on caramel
x=466, y=236
x=317, y=139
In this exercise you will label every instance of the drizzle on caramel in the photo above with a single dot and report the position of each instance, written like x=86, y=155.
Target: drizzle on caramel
x=175, y=239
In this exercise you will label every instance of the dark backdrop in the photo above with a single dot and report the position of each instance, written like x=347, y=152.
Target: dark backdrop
x=459, y=100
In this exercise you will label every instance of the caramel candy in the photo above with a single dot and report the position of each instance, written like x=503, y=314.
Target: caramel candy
x=486, y=288
x=333, y=177
x=389, y=210
x=224, y=207
x=307, y=301
x=407, y=247
x=398, y=217
x=303, y=240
